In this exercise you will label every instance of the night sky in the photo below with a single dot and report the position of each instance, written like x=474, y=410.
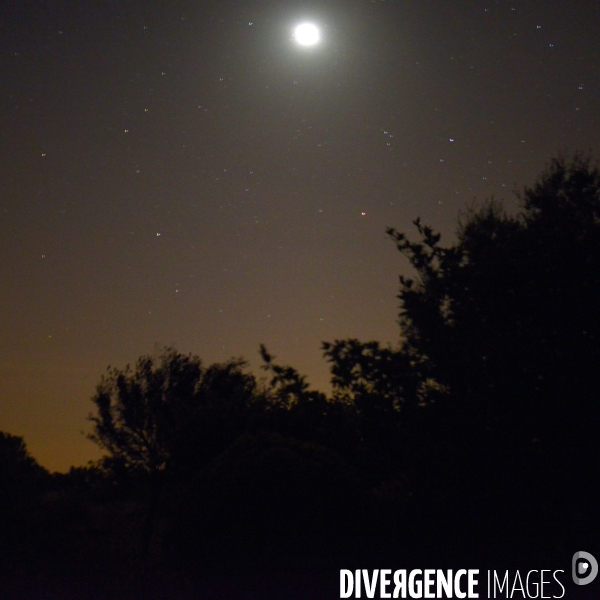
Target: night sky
x=186, y=173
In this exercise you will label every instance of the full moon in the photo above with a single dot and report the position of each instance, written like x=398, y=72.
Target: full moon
x=306, y=34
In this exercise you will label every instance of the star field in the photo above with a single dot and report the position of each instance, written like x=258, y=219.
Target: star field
x=187, y=174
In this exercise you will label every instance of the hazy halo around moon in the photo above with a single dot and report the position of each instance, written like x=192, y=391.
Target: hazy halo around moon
x=306, y=34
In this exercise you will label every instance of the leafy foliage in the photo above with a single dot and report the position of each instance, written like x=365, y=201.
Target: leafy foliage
x=508, y=310
x=478, y=430
x=137, y=408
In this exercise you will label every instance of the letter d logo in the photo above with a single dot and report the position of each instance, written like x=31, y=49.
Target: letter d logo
x=588, y=567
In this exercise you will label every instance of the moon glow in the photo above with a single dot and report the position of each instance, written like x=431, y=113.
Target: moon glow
x=306, y=34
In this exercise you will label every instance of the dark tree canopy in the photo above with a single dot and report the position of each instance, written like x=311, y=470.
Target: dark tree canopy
x=475, y=435
x=15, y=460
x=509, y=310
x=170, y=410
x=19, y=472
x=136, y=408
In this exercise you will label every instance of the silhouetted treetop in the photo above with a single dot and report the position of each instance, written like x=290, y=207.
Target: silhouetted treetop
x=566, y=195
x=510, y=309
x=16, y=464
x=170, y=408
x=135, y=408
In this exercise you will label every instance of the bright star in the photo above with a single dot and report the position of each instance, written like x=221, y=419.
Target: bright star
x=306, y=34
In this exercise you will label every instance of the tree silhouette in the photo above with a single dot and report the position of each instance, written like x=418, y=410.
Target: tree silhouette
x=136, y=413
x=292, y=409
x=22, y=480
x=224, y=405
x=509, y=310
x=476, y=433
x=167, y=417
x=506, y=319
x=136, y=408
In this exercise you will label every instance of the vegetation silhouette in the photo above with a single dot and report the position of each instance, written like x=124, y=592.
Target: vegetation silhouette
x=474, y=440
